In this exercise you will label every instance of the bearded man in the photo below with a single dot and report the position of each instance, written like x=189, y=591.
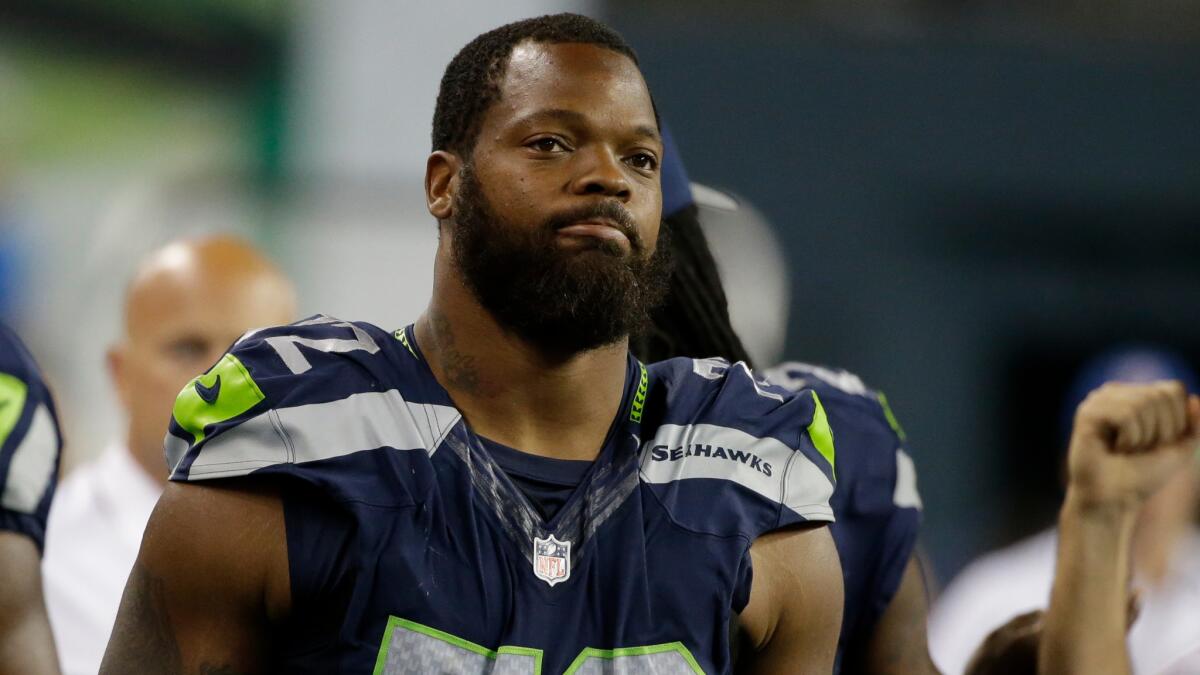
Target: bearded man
x=501, y=486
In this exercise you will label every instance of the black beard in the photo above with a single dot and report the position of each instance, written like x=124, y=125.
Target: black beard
x=561, y=301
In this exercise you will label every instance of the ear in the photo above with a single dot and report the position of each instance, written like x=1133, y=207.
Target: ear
x=115, y=358
x=441, y=183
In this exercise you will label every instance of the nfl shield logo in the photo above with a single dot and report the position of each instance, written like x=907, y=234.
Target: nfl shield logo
x=551, y=559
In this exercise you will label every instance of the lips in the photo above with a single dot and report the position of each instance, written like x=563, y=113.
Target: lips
x=597, y=229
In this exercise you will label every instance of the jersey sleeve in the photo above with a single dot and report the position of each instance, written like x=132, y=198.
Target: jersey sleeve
x=287, y=400
x=877, y=502
x=883, y=507
x=734, y=455
x=30, y=442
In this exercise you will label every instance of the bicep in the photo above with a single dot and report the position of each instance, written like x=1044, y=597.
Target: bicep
x=26, y=644
x=898, y=643
x=794, y=615
x=205, y=587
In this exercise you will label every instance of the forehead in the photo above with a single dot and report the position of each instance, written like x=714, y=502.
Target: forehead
x=191, y=301
x=599, y=82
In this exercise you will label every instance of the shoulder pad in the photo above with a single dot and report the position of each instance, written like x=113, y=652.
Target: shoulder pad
x=880, y=473
x=30, y=441
x=797, y=375
x=833, y=383
x=317, y=389
x=734, y=454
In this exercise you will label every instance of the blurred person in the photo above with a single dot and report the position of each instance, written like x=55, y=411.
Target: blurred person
x=185, y=305
x=1130, y=444
x=876, y=502
x=501, y=486
x=1165, y=554
x=30, y=445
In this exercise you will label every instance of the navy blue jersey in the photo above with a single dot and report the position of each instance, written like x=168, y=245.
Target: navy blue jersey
x=29, y=442
x=876, y=502
x=412, y=551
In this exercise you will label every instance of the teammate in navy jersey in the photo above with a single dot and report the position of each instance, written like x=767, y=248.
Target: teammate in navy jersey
x=876, y=503
x=500, y=487
x=29, y=455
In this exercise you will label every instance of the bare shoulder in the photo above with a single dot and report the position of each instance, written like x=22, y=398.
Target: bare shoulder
x=899, y=643
x=26, y=645
x=18, y=561
x=209, y=582
x=794, y=616
x=235, y=528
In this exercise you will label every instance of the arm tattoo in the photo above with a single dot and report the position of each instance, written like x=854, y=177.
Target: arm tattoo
x=143, y=640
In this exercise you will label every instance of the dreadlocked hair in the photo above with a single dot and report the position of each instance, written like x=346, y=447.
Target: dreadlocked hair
x=693, y=320
x=471, y=83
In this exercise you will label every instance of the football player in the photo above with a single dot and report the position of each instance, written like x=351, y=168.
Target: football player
x=30, y=445
x=501, y=486
x=876, y=503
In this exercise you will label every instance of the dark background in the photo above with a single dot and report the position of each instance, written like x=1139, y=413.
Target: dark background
x=973, y=201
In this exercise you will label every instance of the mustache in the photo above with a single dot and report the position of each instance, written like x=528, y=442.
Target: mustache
x=608, y=210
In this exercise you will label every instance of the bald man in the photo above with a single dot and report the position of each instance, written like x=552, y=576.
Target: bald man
x=186, y=304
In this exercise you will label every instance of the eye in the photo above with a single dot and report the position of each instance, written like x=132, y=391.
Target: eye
x=547, y=144
x=643, y=161
x=185, y=350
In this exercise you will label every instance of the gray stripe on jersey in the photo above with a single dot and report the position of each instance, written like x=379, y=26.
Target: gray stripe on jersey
x=906, y=494
x=308, y=433
x=711, y=451
x=414, y=652
x=32, y=466
x=176, y=449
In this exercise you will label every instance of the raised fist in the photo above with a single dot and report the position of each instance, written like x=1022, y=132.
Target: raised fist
x=1129, y=439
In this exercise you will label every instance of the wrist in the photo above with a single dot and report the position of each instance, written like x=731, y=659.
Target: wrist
x=1082, y=506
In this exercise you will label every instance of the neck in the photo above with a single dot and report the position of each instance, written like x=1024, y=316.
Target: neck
x=149, y=459
x=512, y=392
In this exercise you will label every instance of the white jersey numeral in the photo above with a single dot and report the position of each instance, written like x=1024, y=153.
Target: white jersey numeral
x=287, y=346
x=714, y=369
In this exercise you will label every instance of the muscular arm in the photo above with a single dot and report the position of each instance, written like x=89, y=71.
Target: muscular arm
x=795, y=611
x=899, y=645
x=26, y=645
x=210, y=579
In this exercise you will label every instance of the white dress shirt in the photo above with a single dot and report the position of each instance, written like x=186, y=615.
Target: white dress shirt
x=94, y=532
x=1165, y=640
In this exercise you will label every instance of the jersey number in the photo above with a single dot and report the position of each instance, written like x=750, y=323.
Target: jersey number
x=410, y=648
x=287, y=345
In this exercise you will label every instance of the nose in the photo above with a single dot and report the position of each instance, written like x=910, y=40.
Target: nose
x=602, y=173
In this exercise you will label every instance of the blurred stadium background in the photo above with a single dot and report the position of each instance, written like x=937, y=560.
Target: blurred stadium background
x=973, y=197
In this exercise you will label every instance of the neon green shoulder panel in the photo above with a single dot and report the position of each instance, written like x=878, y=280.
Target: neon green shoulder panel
x=891, y=417
x=224, y=392
x=821, y=433
x=12, y=401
